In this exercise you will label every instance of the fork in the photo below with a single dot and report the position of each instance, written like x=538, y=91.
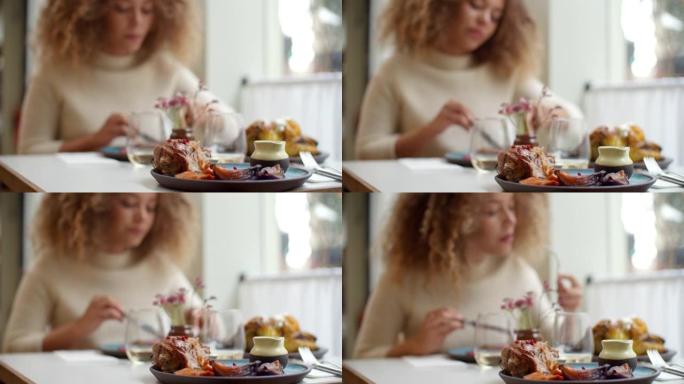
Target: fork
x=311, y=360
x=311, y=164
x=659, y=363
x=654, y=168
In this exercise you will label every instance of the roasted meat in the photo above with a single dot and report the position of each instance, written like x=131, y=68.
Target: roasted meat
x=234, y=370
x=521, y=162
x=529, y=357
x=177, y=156
x=176, y=353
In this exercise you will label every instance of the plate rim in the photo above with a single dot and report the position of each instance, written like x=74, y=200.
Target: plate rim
x=305, y=372
x=305, y=176
x=652, y=377
x=564, y=188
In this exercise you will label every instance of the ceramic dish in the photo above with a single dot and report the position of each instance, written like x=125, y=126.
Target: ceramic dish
x=642, y=375
x=466, y=355
x=667, y=356
x=114, y=349
x=459, y=158
x=294, y=177
x=318, y=353
x=639, y=182
x=116, y=153
x=320, y=158
x=664, y=163
x=294, y=373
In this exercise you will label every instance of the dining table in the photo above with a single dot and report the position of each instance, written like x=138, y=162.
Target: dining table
x=92, y=172
x=433, y=175
x=437, y=369
x=88, y=367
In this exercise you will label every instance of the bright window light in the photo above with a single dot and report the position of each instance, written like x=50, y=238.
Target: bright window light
x=639, y=28
x=639, y=220
x=297, y=23
x=294, y=220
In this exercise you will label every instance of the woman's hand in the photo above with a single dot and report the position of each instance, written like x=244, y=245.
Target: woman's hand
x=436, y=326
x=452, y=113
x=100, y=309
x=115, y=126
x=569, y=292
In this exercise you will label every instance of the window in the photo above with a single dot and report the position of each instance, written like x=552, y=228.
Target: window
x=313, y=34
x=654, y=30
x=311, y=230
x=655, y=228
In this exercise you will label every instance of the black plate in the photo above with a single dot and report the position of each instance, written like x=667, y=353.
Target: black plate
x=642, y=375
x=294, y=177
x=318, y=353
x=667, y=356
x=116, y=153
x=664, y=163
x=294, y=373
x=459, y=158
x=639, y=182
x=466, y=354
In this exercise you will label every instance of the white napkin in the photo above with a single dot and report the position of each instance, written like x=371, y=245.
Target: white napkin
x=433, y=361
x=428, y=164
x=323, y=380
x=84, y=158
x=85, y=357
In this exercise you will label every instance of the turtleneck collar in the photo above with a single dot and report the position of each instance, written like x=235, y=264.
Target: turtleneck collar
x=105, y=260
x=448, y=62
x=115, y=63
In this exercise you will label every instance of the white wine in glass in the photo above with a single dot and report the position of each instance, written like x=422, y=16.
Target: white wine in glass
x=488, y=138
x=492, y=334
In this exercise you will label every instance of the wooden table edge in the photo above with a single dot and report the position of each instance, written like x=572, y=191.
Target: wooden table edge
x=15, y=181
x=352, y=376
x=354, y=183
x=10, y=376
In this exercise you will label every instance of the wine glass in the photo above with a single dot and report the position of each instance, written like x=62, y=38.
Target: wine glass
x=224, y=135
x=146, y=131
x=223, y=331
x=144, y=328
x=572, y=336
x=569, y=143
x=492, y=334
x=489, y=137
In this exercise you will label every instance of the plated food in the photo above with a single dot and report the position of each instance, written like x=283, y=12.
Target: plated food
x=181, y=356
x=532, y=361
x=286, y=326
x=527, y=168
x=286, y=130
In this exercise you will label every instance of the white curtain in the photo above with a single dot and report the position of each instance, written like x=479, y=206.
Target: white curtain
x=657, y=106
x=314, y=101
x=314, y=298
x=657, y=298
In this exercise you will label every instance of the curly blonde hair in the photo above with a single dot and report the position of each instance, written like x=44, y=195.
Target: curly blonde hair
x=426, y=232
x=68, y=225
x=71, y=31
x=416, y=26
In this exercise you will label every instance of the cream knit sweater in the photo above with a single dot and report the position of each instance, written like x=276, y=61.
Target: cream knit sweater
x=63, y=103
x=409, y=91
x=396, y=310
x=57, y=291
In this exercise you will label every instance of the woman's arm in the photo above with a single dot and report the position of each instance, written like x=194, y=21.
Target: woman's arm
x=29, y=318
x=378, y=130
x=39, y=118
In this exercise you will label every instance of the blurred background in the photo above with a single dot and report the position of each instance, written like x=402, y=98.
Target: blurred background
x=626, y=249
x=264, y=254
x=266, y=58
x=624, y=64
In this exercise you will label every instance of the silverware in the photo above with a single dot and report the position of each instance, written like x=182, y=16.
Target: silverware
x=311, y=360
x=495, y=328
x=654, y=168
x=145, y=327
x=661, y=364
x=311, y=164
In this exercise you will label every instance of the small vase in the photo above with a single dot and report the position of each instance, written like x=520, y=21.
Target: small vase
x=527, y=334
x=182, y=134
x=181, y=330
x=269, y=154
x=617, y=352
x=526, y=140
x=614, y=159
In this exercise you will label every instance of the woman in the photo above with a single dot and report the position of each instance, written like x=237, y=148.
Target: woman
x=451, y=257
x=99, y=61
x=98, y=256
x=455, y=61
